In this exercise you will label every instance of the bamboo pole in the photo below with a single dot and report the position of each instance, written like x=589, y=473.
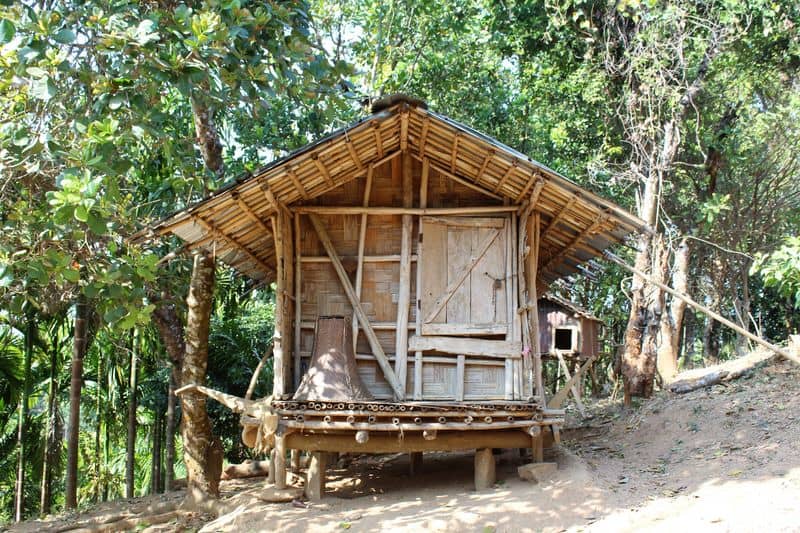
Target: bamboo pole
x=278, y=348
x=556, y=401
x=356, y=210
x=374, y=343
x=719, y=318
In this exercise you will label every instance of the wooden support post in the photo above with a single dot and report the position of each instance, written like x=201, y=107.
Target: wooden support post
x=404, y=290
x=295, y=461
x=362, y=238
x=288, y=301
x=315, y=481
x=298, y=300
x=485, y=474
x=271, y=471
x=558, y=399
x=423, y=203
x=531, y=270
x=537, y=443
x=572, y=384
x=415, y=463
x=279, y=342
x=280, y=461
x=460, y=375
x=374, y=343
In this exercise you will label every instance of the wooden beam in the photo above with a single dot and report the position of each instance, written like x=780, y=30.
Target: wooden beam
x=486, y=159
x=353, y=155
x=461, y=276
x=374, y=343
x=404, y=289
x=533, y=180
x=464, y=182
x=378, y=141
x=323, y=170
x=575, y=241
x=355, y=210
x=423, y=137
x=537, y=190
x=454, y=153
x=467, y=346
x=505, y=177
x=272, y=199
x=250, y=213
x=412, y=441
x=531, y=274
x=367, y=258
x=241, y=247
x=404, y=130
x=561, y=214
x=297, y=184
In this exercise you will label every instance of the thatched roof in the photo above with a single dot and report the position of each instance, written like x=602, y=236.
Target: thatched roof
x=577, y=225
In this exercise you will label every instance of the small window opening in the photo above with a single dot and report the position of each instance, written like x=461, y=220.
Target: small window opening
x=563, y=339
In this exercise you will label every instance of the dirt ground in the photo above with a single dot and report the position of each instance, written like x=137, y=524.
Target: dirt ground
x=720, y=459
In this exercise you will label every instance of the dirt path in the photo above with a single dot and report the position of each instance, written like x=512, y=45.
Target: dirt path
x=722, y=459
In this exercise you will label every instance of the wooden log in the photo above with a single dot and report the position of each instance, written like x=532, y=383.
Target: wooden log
x=411, y=442
x=280, y=461
x=404, y=289
x=485, y=475
x=446, y=211
x=374, y=343
x=531, y=273
x=467, y=346
x=315, y=480
x=295, y=461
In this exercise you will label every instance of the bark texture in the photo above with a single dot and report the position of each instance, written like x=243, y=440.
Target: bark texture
x=76, y=382
x=202, y=451
x=672, y=322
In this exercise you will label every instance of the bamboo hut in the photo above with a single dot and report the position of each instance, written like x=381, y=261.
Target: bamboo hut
x=407, y=251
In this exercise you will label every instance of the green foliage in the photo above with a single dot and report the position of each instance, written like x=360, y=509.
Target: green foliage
x=781, y=270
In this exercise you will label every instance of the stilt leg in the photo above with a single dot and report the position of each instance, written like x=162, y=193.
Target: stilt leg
x=484, y=469
x=315, y=482
x=295, y=461
x=415, y=463
x=280, y=462
x=271, y=474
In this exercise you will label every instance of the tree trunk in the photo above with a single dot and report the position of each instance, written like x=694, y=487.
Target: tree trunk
x=76, y=382
x=130, y=445
x=22, y=428
x=171, y=331
x=201, y=450
x=208, y=137
x=51, y=441
x=98, y=427
x=169, y=471
x=672, y=322
x=155, y=463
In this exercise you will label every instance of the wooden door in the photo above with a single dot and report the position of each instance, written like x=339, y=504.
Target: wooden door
x=465, y=285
